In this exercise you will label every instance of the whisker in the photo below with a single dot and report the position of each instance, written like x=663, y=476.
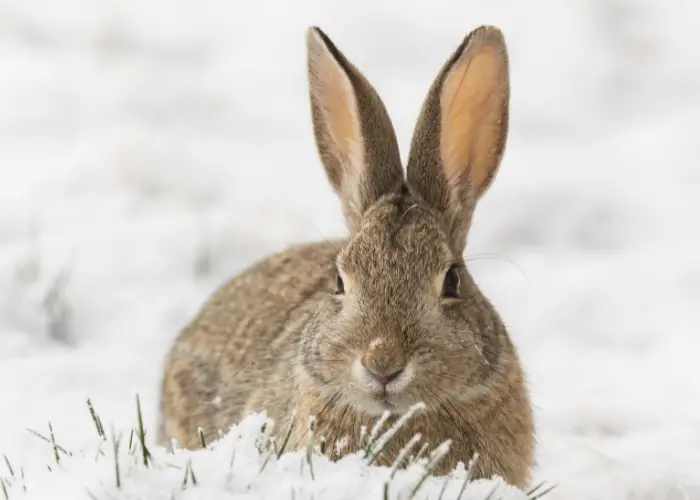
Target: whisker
x=329, y=404
x=500, y=258
x=446, y=376
x=324, y=239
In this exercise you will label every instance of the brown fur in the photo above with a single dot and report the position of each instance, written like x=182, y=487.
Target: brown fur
x=277, y=337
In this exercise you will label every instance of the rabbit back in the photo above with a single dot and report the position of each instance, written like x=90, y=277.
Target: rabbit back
x=238, y=353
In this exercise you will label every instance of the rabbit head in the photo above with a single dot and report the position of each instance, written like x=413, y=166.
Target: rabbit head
x=406, y=322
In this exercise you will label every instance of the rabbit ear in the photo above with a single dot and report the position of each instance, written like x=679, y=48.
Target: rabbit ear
x=354, y=135
x=461, y=133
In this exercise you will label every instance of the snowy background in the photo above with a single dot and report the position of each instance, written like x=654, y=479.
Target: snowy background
x=151, y=149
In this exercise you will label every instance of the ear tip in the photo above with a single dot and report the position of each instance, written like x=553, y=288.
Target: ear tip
x=487, y=34
x=480, y=38
x=313, y=35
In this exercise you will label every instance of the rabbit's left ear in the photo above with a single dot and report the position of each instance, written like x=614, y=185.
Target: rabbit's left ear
x=354, y=135
x=461, y=133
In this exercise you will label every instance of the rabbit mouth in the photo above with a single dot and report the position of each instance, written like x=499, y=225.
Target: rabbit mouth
x=383, y=400
x=376, y=404
x=377, y=394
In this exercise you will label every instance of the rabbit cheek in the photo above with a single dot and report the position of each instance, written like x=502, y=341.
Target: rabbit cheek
x=329, y=359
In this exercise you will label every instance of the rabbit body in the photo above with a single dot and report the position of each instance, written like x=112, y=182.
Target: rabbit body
x=344, y=330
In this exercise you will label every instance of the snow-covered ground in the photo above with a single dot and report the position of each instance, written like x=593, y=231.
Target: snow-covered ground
x=151, y=149
x=237, y=467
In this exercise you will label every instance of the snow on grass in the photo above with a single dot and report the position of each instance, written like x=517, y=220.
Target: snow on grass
x=242, y=464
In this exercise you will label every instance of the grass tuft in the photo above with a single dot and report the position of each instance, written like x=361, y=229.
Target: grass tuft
x=189, y=475
x=535, y=489
x=266, y=461
x=115, y=446
x=186, y=479
x=470, y=474
x=375, y=431
x=142, y=433
x=420, y=453
x=4, y=489
x=9, y=466
x=52, y=442
x=363, y=436
x=202, y=441
x=492, y=492
x=374, y=441
x=96, y=420
x=435, y=457
x=376, y=447
x=261, y=440
x=288, y=435
x=131, y=441
x=404, y=453
x=229, y=478
x=194, y=478
x=444, y=486
x=535, y=493
x=56, y=455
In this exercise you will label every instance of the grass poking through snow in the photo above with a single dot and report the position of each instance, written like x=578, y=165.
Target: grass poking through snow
x=115, y=447
x=248, y=460
x=52, y=441
x=96, y=419
x=142, y=433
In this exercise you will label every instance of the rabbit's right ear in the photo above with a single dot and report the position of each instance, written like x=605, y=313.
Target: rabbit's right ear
x=461, y=133
x=353, y=133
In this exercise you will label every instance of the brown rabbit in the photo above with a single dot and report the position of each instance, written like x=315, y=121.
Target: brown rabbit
x=344, y=330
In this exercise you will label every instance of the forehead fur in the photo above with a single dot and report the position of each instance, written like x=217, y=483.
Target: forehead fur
x=399, y=237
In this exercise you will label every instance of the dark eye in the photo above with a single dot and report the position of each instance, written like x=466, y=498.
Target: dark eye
x=450, y=287
x=339, y=285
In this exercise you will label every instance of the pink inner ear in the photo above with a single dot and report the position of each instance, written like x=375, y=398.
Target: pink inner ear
x=473, y=103
x=338, y=104
x=333, y=93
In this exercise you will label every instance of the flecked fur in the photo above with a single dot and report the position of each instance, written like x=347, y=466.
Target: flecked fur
x=277, y=337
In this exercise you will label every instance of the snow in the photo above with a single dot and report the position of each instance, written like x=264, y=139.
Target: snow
x=235, y=468
x=150, y=150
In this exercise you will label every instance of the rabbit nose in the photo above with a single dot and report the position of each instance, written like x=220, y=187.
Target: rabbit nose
x=384, y=377
x=383, y=361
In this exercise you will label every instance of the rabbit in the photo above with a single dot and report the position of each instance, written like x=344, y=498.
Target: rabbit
x=348, y=329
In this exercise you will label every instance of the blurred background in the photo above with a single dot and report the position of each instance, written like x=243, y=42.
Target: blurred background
x=151, y=150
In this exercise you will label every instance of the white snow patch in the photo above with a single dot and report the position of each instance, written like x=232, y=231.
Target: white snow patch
x=235, y=467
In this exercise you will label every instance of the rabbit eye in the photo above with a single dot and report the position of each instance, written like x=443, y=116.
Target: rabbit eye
x=450, y=287
x=339, y=285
